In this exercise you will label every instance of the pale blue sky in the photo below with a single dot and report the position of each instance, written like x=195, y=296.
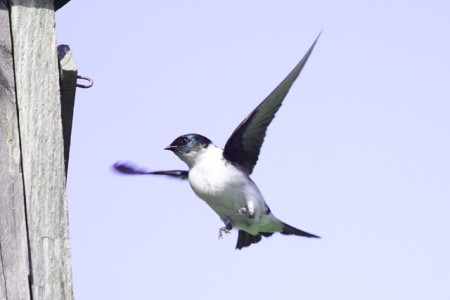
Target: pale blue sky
x=359, y=152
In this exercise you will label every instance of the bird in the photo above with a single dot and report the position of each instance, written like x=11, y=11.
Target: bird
x=221, y=177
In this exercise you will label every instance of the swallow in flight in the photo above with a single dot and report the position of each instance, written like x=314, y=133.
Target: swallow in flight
x=221, y=177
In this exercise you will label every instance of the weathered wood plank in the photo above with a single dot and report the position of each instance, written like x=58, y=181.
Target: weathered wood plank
x=40, y=129
x=14, y=268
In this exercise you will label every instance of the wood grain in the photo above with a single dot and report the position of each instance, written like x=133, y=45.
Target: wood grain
x=40, y=129
x=14, y=268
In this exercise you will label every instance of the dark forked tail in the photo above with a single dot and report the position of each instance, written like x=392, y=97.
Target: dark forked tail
x=245, y=239
x=289, y=230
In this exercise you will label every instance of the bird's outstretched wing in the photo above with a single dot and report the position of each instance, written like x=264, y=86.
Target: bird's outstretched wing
x=245, y=143
x=129, y=169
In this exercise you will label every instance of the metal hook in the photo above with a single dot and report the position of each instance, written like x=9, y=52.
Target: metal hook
x=91, y=82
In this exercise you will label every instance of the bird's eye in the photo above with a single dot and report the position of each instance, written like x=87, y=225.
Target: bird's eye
x=184, y=140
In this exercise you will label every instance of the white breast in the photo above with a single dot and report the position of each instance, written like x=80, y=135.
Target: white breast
x=223, y=186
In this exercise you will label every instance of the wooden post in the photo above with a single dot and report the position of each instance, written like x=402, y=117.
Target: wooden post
x=14, y=263
x=34, y=240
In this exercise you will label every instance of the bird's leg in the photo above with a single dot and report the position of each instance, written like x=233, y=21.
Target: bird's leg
x=249, y=211
x=223, y=230
x=226, y=229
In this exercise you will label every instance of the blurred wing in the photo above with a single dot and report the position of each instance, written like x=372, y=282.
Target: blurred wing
x=245, y=143
x=129, y=169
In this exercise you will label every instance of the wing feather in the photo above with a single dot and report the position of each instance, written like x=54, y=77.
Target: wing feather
x=129, y=169
x=244, y=145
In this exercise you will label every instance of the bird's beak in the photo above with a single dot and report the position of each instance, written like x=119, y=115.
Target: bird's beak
x=171, y=148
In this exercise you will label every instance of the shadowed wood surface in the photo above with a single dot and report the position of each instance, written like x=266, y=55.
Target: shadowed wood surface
x=68, y=81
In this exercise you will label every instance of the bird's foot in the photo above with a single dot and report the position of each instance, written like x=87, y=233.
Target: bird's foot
x=245, y=211
x=223, y=230
x=226, y=229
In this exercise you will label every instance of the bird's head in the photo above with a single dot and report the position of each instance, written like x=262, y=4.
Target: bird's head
x=189, y=147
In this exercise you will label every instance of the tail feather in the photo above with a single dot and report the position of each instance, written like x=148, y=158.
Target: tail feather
x=245, y=239
x=289, y=230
